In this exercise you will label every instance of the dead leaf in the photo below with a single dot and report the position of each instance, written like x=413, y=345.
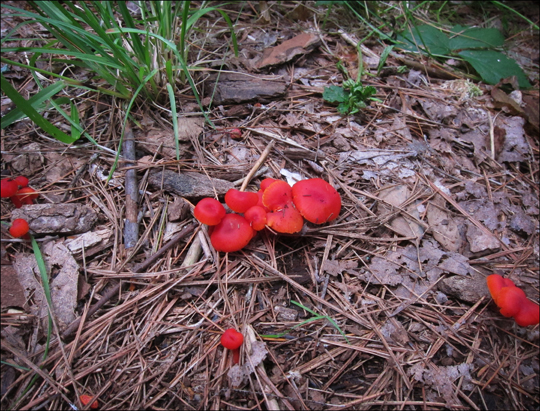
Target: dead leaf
x=444, y=227
x=28, y=162
x=479, y=240
x=403, y=224
x=335, y=267
x=89, y=239
x=515, y=147
x=288, y=50
x=164, y=140
x=63, y=273
x=11, y=290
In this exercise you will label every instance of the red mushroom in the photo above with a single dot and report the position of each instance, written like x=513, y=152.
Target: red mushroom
x=241, y=201
x=209, y=211
x=512, y=301
x=529, y=314
x=495, y=283
x=232, y=234
x=232, y=340
x=9, y=187
x=277, y=195
x=85, y=400
x=316, y=200
x=266, y=182
x=27, y=195
x=236, y=134
x=256, y=216
x=19, y=227
x=22, y=181
x=285, y=220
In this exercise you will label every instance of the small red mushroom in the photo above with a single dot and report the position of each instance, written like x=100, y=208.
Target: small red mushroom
x=236, y=134
x=495, y=283
x=529, y=314
x=277, y=195
x=512, y=301
x=266, y=182
x=85, y=400
x=240, y=201
x=19, y=228
x=209, y=211
x=256, y=216
x=22, y=181
x=232, y=340
x=316, y=200
x=232, y=234
x=9, y=187
x=27, y=195
x=285, y=220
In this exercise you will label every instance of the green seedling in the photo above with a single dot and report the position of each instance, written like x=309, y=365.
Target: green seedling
x=315, y=317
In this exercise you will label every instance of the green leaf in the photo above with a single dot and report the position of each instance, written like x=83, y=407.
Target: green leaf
x=31, y=112
x=36, y=101
x=335, y=94
x=475, y=38
x=426, y=39
x=384, y=55
x=493, y=66
x=75, y=133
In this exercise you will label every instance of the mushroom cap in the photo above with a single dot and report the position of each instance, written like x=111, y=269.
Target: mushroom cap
x=232, y=234
x=8, y=187
x=240, y=201
x=316, y=200
x=277, y=195
x=27, y=195
x=256, y=216
x=529, y=314
x=209, y=211
x=266, y=182
x=285, y=220
x=19, y=227
x=232, y=339
x=495, y=283
x=22, y=181
x=510, y=300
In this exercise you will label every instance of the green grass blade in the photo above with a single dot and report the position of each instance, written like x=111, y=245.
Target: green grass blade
x=76, y=126
x=35, y=102
x=174, y=120
x=31, y=112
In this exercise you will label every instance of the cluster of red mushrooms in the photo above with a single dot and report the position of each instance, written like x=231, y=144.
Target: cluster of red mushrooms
x=276, y=205
x=17, y=190
x=512, y=301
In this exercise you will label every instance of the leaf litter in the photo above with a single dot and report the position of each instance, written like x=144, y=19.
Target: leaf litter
x=439, y=185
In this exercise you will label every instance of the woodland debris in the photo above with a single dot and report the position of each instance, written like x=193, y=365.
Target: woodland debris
x=235, y=88
x=63, y=284
x=57, y=218
x=189, y=185
x=288, y=50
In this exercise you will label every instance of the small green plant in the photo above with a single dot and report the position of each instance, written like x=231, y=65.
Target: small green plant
x=353, y=95
x=315, y=317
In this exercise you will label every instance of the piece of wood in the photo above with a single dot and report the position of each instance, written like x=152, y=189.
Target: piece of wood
x=235, y=88
x=189, y=185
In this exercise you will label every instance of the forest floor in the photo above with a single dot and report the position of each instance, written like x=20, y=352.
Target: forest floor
x=384, y=307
